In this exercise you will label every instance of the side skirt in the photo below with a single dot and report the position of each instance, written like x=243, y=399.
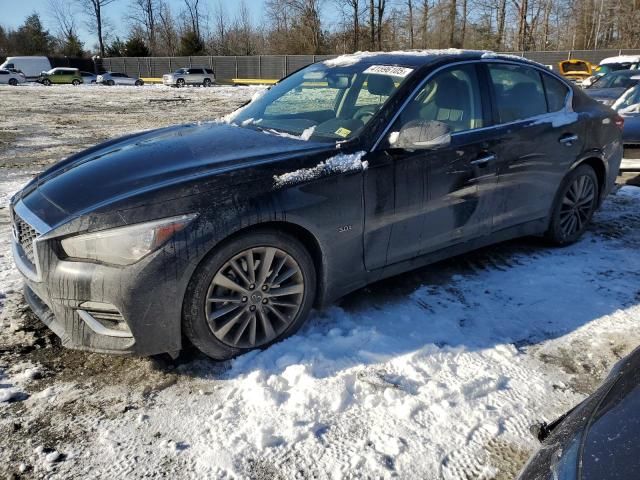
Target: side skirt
x=535, y=227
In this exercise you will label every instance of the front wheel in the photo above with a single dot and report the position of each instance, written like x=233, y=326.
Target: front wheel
x=575, y=205
x=13, y=82
x=46, y=82
x=248, y=293
x=111, y=83
x=180, y=83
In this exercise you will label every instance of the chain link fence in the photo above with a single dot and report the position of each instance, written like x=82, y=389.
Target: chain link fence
x=274, y=67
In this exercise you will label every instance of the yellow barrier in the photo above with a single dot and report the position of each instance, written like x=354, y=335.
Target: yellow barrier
x=231, y=81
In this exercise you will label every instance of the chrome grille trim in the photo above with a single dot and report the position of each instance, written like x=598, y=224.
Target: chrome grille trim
x=27, y=228
x=25, y=235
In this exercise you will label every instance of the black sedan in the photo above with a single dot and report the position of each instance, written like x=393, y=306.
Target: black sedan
x=598, y=439
x=345, y=172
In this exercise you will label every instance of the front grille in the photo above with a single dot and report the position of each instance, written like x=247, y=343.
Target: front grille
x=631, y=152
x=25, y=235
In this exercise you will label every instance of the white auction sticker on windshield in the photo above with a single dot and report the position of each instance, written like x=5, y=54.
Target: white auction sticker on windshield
x=389, y=70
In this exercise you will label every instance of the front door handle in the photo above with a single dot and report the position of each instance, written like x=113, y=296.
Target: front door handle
x=484, y=161
x=568, y=139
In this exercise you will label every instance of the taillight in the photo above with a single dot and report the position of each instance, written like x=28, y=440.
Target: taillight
x=619, y=121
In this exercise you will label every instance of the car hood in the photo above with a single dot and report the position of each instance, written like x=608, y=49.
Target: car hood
x=604, y=93
x=149, y=161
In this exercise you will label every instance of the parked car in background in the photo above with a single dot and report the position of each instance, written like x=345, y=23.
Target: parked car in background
x=227, y=233
x=575, y=70
x=607, y=89
x=88, y=77
x=599, y=438
x=61, y=75
x=10, y=78
x=115, y=78
x=613, y=64
x=190, y=76
x=628, y=106
x=32, y=67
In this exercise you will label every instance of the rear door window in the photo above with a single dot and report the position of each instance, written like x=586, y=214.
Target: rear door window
x=195, y=71
x=518, y=92
x=556, y=93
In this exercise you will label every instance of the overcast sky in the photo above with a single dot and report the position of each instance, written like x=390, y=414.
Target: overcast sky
x=13, y=13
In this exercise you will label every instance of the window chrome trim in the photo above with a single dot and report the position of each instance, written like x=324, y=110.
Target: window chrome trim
x=541, y=68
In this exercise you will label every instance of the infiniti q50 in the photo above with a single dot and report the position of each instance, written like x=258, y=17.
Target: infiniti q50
x=354, y=169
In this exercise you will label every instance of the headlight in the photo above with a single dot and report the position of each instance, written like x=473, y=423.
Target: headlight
x=124, y=245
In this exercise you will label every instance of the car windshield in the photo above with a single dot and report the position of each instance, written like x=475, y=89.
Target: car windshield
x=629, y=101
x=323, y=101
x=613, y=80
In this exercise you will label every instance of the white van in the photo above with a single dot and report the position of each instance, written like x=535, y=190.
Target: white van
x=30, y=66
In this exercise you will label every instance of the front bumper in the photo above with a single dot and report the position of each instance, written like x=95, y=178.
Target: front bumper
x=147, y=300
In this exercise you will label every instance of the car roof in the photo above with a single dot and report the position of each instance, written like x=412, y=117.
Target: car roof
x=418, y=58
x=621, y=59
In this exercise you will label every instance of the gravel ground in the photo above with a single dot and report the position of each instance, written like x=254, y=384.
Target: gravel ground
x=488, y=343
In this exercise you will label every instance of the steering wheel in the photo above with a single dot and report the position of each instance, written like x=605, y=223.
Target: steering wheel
x=366, y=111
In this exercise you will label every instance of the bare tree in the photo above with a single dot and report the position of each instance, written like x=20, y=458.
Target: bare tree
x=410, y=22
x=167, y=31
x=62, y=13
x=380, y=9
x=144, y=13
x=94, y=10
x=453, y=11
x=194, y=15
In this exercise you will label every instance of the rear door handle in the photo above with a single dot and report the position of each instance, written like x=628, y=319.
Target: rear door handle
x=484, y=161
x=568, y=139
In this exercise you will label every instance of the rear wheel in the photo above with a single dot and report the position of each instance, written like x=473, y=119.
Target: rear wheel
x=13, y=82
x=75, y=82
x=249, y=293
x=139, y=83
x=575, y=205
x=207, y=82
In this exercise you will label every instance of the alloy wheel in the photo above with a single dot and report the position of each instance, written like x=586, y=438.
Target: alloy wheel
x=577, y=205
x=254, y=297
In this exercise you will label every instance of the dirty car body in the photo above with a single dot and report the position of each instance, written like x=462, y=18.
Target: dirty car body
x=599, y=438
x=388, y=162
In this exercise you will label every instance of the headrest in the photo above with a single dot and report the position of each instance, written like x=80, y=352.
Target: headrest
x=380, y=85
x=451, y=93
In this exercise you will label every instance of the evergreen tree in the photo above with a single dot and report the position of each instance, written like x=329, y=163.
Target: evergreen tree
x=32, y=39
x=191, y=44
x=115, y=49
x=135, y=47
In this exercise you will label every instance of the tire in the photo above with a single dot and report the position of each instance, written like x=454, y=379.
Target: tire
x=574, y=206
x=13, y=82
x=139, y=83
x=111, y=83
x=75, y=83
x=252, y=313
x=46, y=82
x=180, y=83
x=207, y=82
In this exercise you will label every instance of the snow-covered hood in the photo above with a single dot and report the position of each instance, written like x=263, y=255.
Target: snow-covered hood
x=152, y=161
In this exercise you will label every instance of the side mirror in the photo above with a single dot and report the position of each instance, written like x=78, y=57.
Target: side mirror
x=422, y=135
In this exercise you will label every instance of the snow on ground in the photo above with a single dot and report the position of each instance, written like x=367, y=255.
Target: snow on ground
x=432, y=374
